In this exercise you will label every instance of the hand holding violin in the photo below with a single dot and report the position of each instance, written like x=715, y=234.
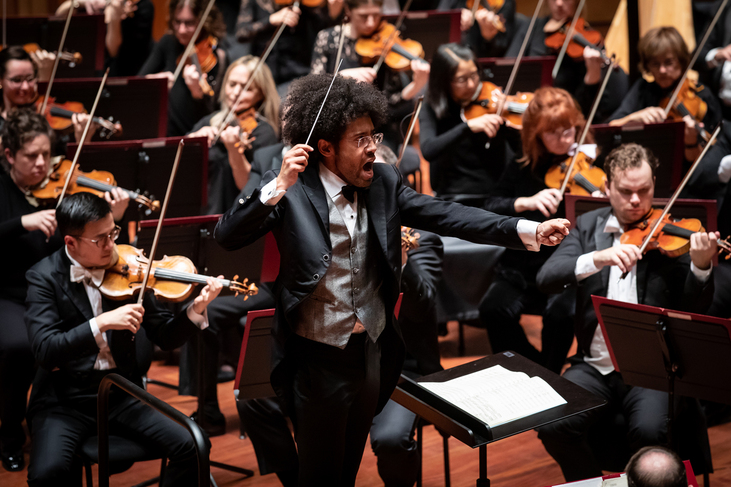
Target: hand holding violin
x=489, y=123
x=552, y=232
x=465, y=19
x=208, y=293
x=79, y=122
x=594, y=62
x=289, y=16
x=44, y=60
x=118, y=200
x=127, y=317
x=44, y=220
x=703, y=247
x=191, y=76
x=293, y=163
x=486, y=21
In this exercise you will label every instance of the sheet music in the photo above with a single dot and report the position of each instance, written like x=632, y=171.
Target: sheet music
x=496, y=395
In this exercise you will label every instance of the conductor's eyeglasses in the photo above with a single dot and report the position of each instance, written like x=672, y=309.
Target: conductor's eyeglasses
x=365, y=141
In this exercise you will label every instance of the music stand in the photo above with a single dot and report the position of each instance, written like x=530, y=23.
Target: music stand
x=431, y=28
x=252, y=373
x=671, y=351
x=121, y=99
x=534, y=72
x=665, y=140
x=85, y=36
x=473, y=432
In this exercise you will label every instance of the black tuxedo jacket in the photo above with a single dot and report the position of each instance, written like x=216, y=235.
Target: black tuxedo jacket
x=57, y=317
x=300, y=225
x=661, y=281
x=266, y=159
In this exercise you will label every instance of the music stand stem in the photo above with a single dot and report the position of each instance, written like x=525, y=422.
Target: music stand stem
x=671, y=367
x=483, y=481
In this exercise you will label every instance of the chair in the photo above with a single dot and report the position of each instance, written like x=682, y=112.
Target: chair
x=123, y=453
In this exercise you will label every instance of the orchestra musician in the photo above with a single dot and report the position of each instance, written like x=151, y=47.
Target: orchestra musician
x=229, y=159
x=337, y=216
x=592, y=259
x=714, y=62
x=466, y=157
x=551, y=126
x=187, y=102
x=480, y=31
x=78, y=337
x=664, y=55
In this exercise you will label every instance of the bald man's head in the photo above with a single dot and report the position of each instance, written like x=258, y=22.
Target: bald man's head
x=656, y=466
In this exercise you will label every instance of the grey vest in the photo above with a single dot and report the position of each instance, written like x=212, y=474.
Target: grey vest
x=349, y=290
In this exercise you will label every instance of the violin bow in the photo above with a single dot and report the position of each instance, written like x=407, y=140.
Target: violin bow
x=58, y=58
x=340, y=43
x=5, y=26
x=569, y=36
x=670, y=203
x=389, y=41
x=191, y=42
x=163, y=210
x=694, y=58
x=410, y=131
x=83, y=137
x=585, y=132
x=335, y=74
x=226, y=119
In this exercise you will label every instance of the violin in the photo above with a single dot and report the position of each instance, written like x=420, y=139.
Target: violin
x=575, y=49
x=491, y=5
x=488, y=98
x=247, y=123
x=171, y=278
x=672, y=236
x=306, y=3
x=96, y=182
x=689, y=103
x=59, y=117
x=584, y=180
x=400, y=52
x=409, y=239
x=72, y=58
x=205, y=59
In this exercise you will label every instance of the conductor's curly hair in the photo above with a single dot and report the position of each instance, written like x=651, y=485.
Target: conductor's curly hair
x=348, y=100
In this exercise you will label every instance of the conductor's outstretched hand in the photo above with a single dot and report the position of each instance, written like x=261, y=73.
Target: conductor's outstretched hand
x=293, y=163
x=551, y=232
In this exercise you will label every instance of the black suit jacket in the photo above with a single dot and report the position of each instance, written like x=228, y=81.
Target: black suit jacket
x=661, y=281
x=266, y=159
x=57, y=317
x=300, y=225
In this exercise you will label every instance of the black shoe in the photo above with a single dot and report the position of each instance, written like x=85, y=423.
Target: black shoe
x=215, y=426
x=14, y=462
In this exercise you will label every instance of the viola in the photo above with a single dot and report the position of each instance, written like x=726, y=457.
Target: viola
x=584, y=180
x=575, y=49
x=488, y=98
x=400, y=52
x=171, y=278
x=96, y=182
x=689, y=103
x=491, y=5
x=672, y=236
x=205, y=59
x=59, y=117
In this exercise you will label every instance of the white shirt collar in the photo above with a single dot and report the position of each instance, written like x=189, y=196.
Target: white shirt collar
x=612, y=225
x=73, y=261
x=588, y=149
x=331, y=182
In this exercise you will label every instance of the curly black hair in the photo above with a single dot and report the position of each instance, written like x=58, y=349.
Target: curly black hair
x=348, y=100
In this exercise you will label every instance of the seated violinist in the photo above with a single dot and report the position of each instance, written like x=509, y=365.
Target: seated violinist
x=78, y=336
x=194, y=94
x=591, y=260
x=581, y=75
x=664, y=56
x=254, y=123
x=363, y=29
x=551, y=126
x=488, y=32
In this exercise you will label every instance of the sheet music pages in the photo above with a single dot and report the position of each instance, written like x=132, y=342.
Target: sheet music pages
x=496, y=395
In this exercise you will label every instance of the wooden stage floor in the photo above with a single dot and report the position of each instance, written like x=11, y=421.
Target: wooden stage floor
x=517, y=461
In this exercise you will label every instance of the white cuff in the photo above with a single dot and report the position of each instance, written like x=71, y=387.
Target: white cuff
x=527, y=231
x=711, y=58
x=700, y=274
x=585, y=266
x=724, y=169
x=101, y=338
x=199, y=320
x=270, y=196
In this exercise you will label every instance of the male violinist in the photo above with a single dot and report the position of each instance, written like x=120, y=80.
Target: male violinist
x=593, y=259
x=78, y=337
x=337, y=216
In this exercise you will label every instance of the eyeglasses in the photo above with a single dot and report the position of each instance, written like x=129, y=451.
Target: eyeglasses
x=188, y=24
x=366, y=140
x=19, y=80
x=103, y=241
x=463, y=80
x=568, y=133
x=667, y=63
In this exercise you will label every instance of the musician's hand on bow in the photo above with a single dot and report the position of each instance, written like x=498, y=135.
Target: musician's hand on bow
x=192, y=79
x=486, y=21
x=465, y=19
x=552, y=232
x=118, y=200
x=167, y=75
x=208, y=293
x=127, y=317
x=546, y=201
x=44, y=220
x=293, y=163
x=723, y=54
x=488, y=123
x=207, y=132
x=366, y=75
x=289, y=16
x=624, y=256
x=703, y=248
x=648, y=115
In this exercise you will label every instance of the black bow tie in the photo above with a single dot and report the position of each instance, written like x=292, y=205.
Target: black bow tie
x=350, y=190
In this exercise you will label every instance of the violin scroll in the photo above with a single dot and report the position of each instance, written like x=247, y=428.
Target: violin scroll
x=244, y=287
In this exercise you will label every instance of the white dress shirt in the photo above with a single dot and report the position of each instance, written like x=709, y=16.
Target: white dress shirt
x=624, y=290
x=724, y=89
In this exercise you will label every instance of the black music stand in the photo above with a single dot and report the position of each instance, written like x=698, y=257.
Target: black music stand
x=145, y=165
x=671, y=351
x=473, y=432
x=85, y=36
x=121, y=99
x=252, y=373
x=534, y=72
x=665, y=140
x=431, y=28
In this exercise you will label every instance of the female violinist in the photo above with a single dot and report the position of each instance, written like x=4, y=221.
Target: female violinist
x=581, y=76
x=229, y=160
x=664, y=55
x=466, y=156
x=399, y=87
x=187, y=101
x=551, y=125
x=489, y=31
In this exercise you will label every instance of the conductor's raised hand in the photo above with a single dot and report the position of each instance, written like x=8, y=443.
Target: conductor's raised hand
x=293, y=163
x=551, y=232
